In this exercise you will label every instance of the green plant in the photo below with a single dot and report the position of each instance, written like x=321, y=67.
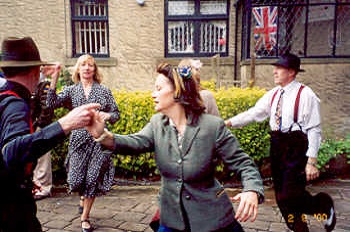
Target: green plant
x=64, y=79
x=59, y=153
x=330, y=148
x=136, y=109
x=254, y=138
x=209, y=85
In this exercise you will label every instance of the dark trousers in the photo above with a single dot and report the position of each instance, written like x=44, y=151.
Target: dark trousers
x=18, y=211
x=288, y=161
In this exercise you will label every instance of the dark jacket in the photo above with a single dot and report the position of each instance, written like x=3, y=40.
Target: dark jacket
x=20, y=149
x=188, y=173
x=18, y=146
x=42, y=114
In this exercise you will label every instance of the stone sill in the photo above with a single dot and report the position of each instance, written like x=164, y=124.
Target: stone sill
x=227, y=60
x=304, y=61
x=101, y=62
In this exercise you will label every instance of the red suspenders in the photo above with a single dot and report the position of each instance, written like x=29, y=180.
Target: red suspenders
x=273, y=97
x=296, y=105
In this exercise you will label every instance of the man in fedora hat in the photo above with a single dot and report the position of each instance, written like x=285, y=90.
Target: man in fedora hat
x=20, y=146
x=294, y=112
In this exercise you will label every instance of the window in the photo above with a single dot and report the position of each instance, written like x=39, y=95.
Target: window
x=313, y=28
x=196, y=28
x=90, y=27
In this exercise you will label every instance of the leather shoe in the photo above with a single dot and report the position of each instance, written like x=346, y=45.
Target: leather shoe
x=90, y=229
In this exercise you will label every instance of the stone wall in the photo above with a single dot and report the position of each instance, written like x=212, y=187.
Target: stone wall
x=136, y=38
x=42, y=20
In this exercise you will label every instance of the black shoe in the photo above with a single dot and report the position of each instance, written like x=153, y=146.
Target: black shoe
x=328, y=204
x=90, y=229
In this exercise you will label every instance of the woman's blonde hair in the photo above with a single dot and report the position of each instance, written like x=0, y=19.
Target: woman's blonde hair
x=82, y=59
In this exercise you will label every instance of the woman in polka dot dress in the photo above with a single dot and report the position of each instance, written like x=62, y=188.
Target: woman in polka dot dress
x=90, y=168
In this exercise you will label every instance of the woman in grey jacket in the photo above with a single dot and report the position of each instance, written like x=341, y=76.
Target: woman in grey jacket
x=187, y=144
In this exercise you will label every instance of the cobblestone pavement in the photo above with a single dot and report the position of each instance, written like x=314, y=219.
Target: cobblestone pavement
x=130, y=208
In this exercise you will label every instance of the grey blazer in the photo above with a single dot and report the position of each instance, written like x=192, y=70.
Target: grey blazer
x=189, y=187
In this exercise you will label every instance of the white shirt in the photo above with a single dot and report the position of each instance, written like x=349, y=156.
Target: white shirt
x=2, y=81
x=308, y=114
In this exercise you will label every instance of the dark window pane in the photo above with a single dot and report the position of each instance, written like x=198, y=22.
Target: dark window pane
x=196, y=28
x=90, y=28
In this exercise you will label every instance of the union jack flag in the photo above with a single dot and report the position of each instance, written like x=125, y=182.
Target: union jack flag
x=265, y=31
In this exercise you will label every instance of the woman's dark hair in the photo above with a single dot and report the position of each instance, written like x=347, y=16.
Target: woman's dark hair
x=186, y=89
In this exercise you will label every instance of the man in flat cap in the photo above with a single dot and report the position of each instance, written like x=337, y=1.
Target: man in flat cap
x=20, y=145
x=294, y=112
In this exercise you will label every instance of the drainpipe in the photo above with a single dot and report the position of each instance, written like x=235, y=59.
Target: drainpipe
x=235, y=46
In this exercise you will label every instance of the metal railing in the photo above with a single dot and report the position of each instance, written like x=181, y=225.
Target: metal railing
x=310, y=28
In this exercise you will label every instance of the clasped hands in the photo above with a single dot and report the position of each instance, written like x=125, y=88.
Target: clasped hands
x=87, y=116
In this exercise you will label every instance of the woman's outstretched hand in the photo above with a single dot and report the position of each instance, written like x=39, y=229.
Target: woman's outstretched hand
x=53, y=71
x=248, y=206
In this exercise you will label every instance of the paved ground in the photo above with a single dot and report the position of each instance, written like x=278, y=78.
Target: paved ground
x=130, y=208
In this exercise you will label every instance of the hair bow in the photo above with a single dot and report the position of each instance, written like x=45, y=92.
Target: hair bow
x=185, y=72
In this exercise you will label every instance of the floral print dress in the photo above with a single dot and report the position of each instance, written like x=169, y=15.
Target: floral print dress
x=90, y=167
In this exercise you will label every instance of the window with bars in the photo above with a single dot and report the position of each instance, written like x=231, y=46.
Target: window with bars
x=90, y=27
x=196, y=28
x=309, y=28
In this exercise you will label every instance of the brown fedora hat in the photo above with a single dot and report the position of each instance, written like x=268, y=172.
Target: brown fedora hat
x=289, y=60
x=19, y=52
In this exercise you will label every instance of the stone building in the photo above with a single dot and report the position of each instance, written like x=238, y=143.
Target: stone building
x=130, y=37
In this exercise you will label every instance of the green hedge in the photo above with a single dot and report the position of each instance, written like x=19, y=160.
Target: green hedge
x=137, y=108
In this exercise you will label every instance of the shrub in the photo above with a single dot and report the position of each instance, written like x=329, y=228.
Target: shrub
x=253, y=138
x=59, y=153
x=331, y=148
x=136, y=109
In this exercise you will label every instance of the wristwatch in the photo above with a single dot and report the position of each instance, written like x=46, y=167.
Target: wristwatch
x=312, y=163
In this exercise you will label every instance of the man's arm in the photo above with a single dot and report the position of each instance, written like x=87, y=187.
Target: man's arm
x=312, y=125
x=258, y=113
x=21, y=147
